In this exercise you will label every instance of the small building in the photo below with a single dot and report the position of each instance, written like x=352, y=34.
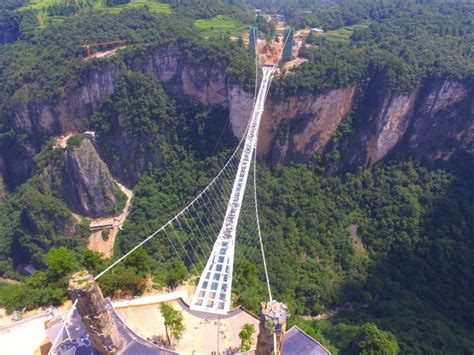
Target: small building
x=279, y=18
x=26, y=269
x=89, y=134
x=317, y=30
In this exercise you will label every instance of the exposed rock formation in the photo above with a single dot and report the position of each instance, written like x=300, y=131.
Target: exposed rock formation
x=83, y=180
x=443, y=126
x=87, y=183
x=240, y=107
x=296, y=128
x=434, y=120
x=273, y=318
x=2, y=190
x=204, y=81
x=383, y=119
x=102, y=329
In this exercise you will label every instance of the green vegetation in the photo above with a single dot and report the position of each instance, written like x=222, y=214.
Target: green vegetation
x=55, y=11
x=220, y=25
x=121, y=200
x=61, y=262
x=42, y=288
x=75, y=141
x=268, y=28
x=49, y=288
x=314, y=263
x=104, y=235
x=399, y=41
x=343, y=34
x=153, y=6
x=407, y=284
x=32, y=223
x=174, y=325
x=371, y=341
x=207, y=9
x=245, y=336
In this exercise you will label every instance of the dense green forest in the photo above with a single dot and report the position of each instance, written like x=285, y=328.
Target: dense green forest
x=404, y=41
x=388, y=250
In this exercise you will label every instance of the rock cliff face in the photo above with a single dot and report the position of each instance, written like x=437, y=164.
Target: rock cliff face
x=240, y=107
x=2, y=190
x=382, y=120
x=443, y=125
x=71, y=112
x=87, y=184
x=302, y=125
x=83, y=180
x=434, y=120
x=97, y=318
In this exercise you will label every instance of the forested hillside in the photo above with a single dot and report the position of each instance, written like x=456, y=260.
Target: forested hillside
x=383, y=249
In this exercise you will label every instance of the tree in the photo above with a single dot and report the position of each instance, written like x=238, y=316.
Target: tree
x=245, y=336
x=373, y=341
x=93, y=261
x=60, y=262
x=173, y=322
x=176, y=274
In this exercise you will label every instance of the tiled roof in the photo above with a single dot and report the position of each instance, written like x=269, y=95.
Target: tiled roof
x=297, y=342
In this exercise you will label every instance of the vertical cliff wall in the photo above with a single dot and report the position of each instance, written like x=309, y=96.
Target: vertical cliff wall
x=203, y=81
x=82, y=180
x=434, y=120
x=443, y=125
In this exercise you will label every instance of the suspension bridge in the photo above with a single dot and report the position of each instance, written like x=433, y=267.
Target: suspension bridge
x=221, y=224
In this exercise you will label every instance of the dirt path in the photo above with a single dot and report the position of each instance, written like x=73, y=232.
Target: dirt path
x=102, y=239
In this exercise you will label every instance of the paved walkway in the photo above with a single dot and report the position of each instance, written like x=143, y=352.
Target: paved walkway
x=23, y=337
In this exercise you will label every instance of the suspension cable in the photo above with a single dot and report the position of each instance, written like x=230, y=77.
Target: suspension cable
x=258, y=222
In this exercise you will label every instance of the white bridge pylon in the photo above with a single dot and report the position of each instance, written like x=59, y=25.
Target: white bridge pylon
x=213, y=293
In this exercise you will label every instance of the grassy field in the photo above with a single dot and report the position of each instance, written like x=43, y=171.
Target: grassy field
x=220, y=24
x=43, y=18
x=153, y=6
x=343, y=34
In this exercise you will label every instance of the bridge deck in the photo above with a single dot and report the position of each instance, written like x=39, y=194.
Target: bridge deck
x=213, y=293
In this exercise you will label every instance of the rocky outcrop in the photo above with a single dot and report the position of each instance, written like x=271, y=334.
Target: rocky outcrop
x=434, y=120
x=443, y=125
x=391, y=124
x=240, y=109
x=382, y=119
x=3, y=193
x=75, y=108
x=302, y=125
x=295, y=128
x=97, y=318
x=207, y=85
x=204, y=81
x=87, y=185
x=272, y=327
x=82, y=180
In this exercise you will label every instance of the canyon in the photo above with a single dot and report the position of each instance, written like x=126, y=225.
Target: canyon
x=432, y=121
